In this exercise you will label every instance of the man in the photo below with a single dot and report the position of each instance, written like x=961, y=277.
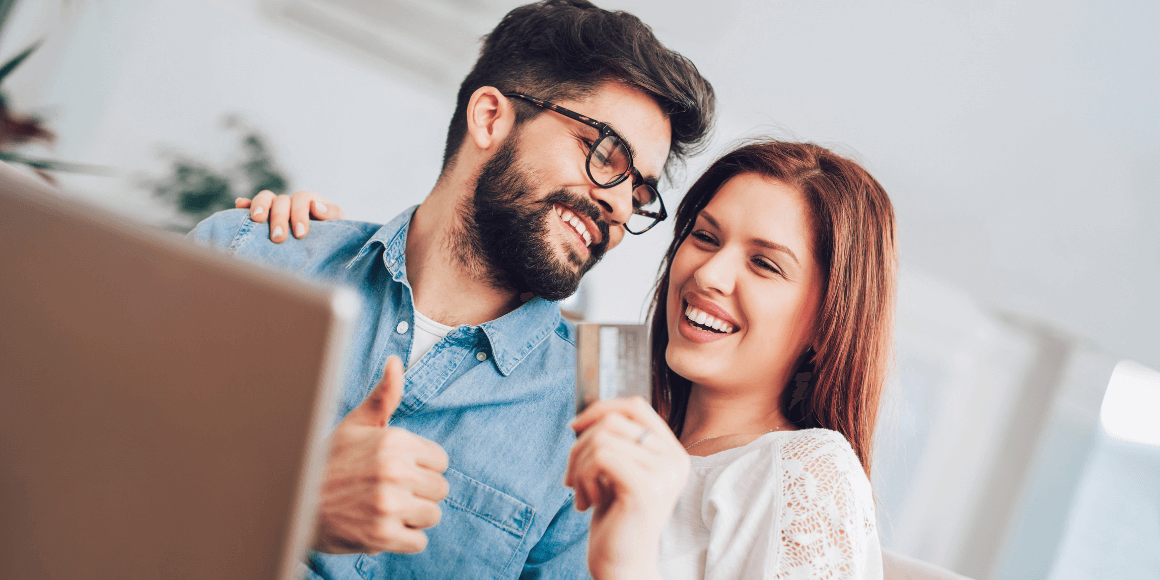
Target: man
x=561, y=131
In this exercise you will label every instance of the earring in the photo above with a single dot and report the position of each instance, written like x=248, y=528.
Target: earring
x=804, y=379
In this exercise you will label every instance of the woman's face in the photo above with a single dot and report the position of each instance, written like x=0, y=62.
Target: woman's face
x=744, y=288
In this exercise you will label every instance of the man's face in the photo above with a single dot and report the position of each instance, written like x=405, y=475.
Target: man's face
x=541, y=222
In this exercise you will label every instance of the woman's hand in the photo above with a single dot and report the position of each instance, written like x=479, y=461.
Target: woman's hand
x=282, y=210
x=629, y=467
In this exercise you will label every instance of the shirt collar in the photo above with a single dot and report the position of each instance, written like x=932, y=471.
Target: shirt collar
x=512, y=336
x=393, y=238
x=520, y=331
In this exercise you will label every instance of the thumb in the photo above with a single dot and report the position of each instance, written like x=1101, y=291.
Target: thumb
x=377, y=408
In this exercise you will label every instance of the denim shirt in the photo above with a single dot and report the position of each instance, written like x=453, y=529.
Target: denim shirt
x=496, y=396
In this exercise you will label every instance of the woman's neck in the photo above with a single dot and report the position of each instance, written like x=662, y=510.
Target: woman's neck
x=716, y=420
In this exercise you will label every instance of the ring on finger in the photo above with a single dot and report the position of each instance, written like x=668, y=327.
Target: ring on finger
x=643, y=435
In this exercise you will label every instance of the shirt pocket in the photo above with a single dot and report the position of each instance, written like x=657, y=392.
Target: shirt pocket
x=481, y=534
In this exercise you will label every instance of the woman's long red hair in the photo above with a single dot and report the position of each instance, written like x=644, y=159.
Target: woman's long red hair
x=838, y=383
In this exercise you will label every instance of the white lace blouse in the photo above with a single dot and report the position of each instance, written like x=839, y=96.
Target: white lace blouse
x=789, y=505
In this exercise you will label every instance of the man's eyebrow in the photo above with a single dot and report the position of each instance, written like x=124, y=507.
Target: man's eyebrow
x=756, y=241
x=619, y=135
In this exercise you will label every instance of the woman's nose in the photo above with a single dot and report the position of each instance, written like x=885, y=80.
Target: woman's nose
x=718, y=273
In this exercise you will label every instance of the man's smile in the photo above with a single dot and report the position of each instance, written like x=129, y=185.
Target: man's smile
x=577, y=223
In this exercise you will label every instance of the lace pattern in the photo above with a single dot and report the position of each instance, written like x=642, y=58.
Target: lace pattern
x=827, y=513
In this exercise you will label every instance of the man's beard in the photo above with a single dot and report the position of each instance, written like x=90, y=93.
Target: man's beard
x=507, y=232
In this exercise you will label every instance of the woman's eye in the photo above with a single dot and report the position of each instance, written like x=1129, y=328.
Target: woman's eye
x=702, y=236
x=766, y=265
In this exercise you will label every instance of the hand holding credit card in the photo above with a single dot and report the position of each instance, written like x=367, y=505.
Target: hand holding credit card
x=611, y=362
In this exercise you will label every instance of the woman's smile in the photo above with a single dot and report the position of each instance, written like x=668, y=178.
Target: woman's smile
x=744, y=287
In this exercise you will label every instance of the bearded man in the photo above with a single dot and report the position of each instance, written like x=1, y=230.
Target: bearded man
x=561, y=132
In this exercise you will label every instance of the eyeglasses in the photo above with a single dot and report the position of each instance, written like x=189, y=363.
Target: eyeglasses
x=609, y=163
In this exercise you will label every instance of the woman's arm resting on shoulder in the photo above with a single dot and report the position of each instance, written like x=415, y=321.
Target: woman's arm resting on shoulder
x=283, y=210
x=626, y=465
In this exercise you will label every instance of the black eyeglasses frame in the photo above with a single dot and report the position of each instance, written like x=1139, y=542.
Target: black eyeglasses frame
x=605, y=132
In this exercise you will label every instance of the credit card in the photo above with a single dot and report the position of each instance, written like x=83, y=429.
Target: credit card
x=611, y=362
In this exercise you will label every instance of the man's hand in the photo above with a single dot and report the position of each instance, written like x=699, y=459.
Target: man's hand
x=382, y=483
x=283, y=210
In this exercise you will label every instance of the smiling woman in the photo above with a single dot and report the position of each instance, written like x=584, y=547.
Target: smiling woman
x=772, y=332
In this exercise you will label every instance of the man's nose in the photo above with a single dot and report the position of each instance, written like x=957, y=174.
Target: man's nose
x=616, y=202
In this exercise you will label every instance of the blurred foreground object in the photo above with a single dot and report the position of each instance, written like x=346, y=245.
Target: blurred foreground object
x=138, y=439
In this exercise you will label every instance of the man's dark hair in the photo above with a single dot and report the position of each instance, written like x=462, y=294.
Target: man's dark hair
x=564, y=49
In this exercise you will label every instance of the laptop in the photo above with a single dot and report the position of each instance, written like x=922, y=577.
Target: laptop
x=163, y=407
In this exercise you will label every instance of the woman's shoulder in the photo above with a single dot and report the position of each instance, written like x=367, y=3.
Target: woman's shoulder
x=821, y=462
x=811, y=445
x=820, y=449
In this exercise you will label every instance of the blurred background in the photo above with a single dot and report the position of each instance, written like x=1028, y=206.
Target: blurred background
x=1020, y=143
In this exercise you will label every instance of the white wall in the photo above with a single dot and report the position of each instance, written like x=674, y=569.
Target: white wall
x=1019, y=143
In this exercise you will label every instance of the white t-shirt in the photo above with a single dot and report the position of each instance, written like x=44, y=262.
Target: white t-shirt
x=427, y=333
x=789, y=505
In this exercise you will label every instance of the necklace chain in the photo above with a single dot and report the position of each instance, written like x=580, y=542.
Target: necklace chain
x=693, y=444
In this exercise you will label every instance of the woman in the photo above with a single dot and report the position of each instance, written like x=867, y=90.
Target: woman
x=771, y=331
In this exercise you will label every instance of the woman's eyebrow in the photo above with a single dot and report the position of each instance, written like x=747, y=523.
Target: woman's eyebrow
x=775, y=247
x=756, y=241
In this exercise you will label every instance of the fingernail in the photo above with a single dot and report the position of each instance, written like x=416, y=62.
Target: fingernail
x=277, y=232
x=321, y=207
x=299, y=230
x=240, y=199
x=257, y=210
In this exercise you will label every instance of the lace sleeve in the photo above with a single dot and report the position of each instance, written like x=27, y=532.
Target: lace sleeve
x=827, y=524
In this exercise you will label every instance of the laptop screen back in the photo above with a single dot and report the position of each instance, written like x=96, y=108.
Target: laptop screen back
x=162, y=407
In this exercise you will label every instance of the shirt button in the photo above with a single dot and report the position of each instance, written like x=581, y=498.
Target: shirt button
x=481, y=356
x=402, y=327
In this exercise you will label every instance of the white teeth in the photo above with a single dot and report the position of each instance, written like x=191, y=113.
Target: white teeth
x=578, y=225
x=704, y=319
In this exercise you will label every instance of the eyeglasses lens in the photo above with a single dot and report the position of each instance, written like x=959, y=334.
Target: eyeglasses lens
x=646, y=208
x=609, y=160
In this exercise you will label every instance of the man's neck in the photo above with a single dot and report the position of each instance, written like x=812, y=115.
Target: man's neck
x=447, y=288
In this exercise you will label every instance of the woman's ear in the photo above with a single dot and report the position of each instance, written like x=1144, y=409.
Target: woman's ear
x=490, y=118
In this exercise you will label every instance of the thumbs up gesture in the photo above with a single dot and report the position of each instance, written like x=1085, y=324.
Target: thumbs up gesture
x=382, y=484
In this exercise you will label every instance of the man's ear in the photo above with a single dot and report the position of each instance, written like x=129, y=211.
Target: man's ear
x=490, y=118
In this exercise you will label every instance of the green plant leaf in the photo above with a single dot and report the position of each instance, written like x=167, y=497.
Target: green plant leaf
x=16, y=60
